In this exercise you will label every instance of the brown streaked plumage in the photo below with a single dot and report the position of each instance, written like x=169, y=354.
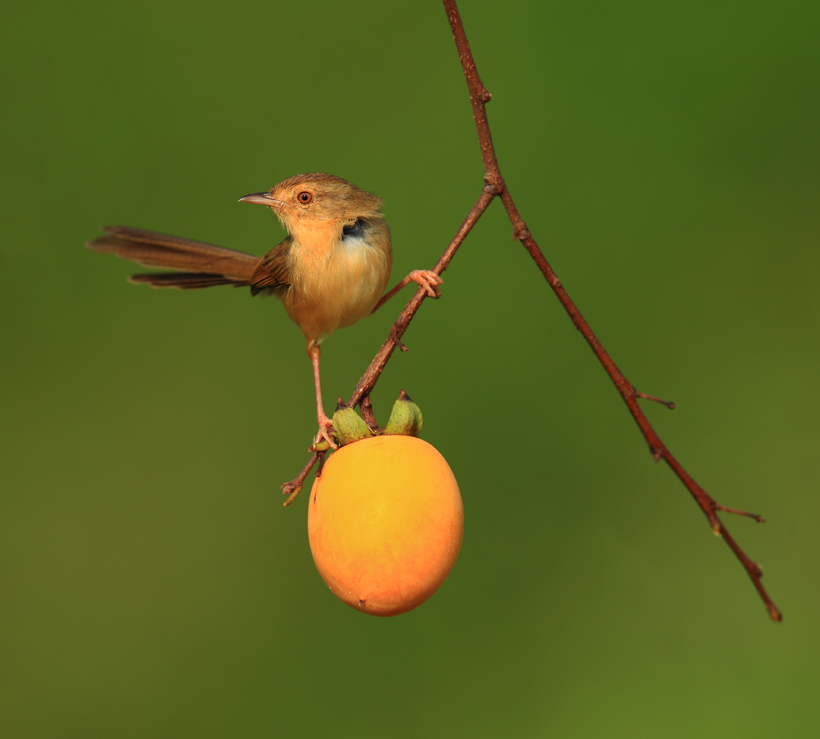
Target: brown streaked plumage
x=330, y=271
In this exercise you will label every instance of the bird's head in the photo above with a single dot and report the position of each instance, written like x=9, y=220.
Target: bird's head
x=317, y=197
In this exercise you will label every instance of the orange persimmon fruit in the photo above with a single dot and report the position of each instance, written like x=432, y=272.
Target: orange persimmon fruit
x=385, y=523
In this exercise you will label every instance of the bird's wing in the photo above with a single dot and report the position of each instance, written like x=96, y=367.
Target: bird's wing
x=272, y=272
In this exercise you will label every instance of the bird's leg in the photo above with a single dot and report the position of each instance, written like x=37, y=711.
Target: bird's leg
x=324, y=422
x=428, y=279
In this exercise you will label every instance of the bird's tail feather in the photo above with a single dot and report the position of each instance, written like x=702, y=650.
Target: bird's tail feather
x=203, y=265
x=184, y=280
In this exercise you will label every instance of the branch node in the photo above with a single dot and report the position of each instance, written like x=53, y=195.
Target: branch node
x=491, y=188
x=738, y=512
x=668, y=403
x=521, y=233
x=394, y=335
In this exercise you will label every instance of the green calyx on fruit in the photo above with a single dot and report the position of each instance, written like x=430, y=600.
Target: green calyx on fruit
x=348, y=425
x=406, y=418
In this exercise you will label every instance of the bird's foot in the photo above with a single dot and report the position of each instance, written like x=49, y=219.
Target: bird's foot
x=325, y=433
x=429, y=280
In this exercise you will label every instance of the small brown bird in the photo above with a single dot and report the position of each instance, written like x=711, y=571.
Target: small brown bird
x=329, y=272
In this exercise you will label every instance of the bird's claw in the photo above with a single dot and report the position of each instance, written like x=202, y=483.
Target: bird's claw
x=429, y=280
x=324, y=434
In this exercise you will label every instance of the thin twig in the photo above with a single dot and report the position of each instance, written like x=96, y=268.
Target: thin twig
x=668, y=403
x=371, y=375
x=479, y=97
x=293, y=488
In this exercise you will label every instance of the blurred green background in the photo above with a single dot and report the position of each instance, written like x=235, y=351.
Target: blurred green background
x=665, y=157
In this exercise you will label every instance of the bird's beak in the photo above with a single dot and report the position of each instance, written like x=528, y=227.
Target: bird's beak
x=262, y=198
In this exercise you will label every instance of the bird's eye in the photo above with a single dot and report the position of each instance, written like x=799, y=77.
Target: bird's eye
x=304, y=197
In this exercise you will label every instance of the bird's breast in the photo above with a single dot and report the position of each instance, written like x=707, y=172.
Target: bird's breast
x=336, y=282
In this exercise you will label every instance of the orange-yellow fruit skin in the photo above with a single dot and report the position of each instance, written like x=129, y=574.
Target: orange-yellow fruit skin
x=385, y=523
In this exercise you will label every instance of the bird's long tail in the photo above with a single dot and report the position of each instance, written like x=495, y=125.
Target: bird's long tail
x=200, y=265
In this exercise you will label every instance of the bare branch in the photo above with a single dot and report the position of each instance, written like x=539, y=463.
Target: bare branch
x=479, y=98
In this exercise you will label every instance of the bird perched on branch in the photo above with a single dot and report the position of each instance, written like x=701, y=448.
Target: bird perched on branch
x=330, y=271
